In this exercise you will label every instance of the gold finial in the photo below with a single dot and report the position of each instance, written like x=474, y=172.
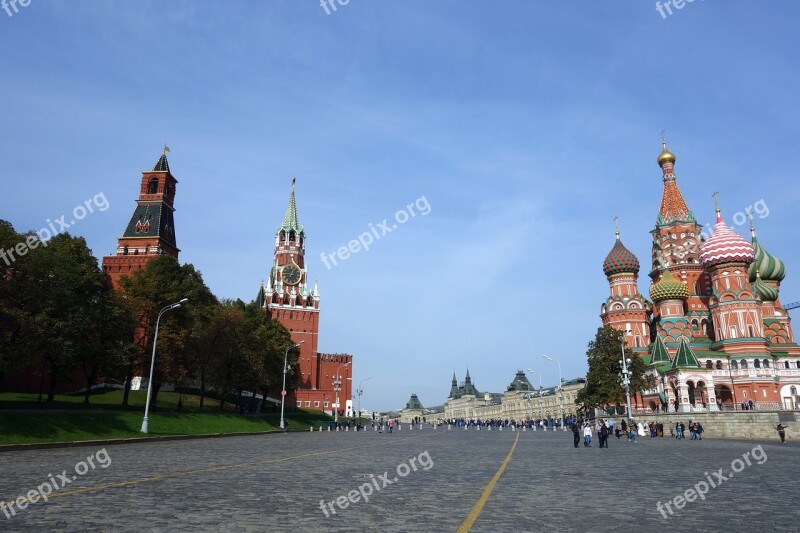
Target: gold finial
x=166, y=149
x=752, y=224
x=616, y=225
x=665, y=156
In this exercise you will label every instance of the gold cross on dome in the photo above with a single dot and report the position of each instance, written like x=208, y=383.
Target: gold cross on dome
x=716, y=199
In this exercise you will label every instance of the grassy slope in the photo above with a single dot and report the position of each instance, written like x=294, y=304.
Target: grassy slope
x=26, y=421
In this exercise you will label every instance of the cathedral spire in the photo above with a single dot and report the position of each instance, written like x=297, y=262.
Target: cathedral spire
x=673, y=206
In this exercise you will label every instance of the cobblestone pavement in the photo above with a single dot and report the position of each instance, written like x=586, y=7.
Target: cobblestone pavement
x=279, y=483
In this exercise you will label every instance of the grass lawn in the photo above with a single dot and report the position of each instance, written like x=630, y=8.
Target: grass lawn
x=107, y=399
x=23, y=420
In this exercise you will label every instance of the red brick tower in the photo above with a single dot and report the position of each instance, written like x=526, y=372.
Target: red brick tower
x=151, y=231
x=626, y=309
x=288, y=298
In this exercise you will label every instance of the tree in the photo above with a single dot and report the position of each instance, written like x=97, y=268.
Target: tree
x=162, y=282
x=603, y=383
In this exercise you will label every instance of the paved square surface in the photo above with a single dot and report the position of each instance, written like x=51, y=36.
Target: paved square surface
x=414, y=481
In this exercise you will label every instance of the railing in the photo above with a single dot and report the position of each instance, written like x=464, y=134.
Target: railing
x=703, y=408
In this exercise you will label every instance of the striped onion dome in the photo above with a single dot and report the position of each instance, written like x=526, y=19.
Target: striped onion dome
x=767, y=293
x=668, y=288
x=768, y=266
x=620, y=260
x=724, y=246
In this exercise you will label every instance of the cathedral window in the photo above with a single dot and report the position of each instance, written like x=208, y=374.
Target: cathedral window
x=719, y=364
x=152, y=186
x=292, y=236
x=708, y=364
x=744, y=364
x=750, y=328
x=756, y=363
x=786, y=364
x=734, y=365
x=798, y=364
x=766, y=363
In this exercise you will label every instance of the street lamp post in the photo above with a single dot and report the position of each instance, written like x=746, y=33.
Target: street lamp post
x=626, y=375
x=360, y=391
x=541, y=414
x=170, y=307
x=560, y=388
x=337, y=386
x=283, y=390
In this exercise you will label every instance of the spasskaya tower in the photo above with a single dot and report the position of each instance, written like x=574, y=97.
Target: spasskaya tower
x=287, y=296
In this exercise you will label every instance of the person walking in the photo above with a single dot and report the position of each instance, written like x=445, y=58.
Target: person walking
x=576, y=434
x=782, y=432
x=587, y=436
x=603, y=434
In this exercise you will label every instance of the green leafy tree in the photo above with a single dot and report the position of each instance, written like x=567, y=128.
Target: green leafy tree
x=162, y=282
x=603, y=383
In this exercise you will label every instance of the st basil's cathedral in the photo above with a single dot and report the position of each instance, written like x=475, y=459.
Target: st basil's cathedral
x=714, y=333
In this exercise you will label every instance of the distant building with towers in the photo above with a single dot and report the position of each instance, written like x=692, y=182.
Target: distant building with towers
x=289, y=297
x=713, y=333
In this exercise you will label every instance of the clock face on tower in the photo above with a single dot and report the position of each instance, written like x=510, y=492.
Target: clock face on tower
x=291, y=274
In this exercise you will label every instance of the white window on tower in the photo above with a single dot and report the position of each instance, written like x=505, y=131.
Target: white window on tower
x=733, y=333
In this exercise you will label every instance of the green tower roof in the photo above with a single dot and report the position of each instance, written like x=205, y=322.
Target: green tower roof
x=685, y=356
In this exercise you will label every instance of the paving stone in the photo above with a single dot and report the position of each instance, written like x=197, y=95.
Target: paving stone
x=276, y=483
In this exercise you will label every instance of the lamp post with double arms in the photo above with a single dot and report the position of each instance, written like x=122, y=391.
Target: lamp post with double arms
x=170, y=307
x=541, y=414
x=283, y=390
x=560, y=388
x=360, y=391
x=625, y=375
x=337, y=386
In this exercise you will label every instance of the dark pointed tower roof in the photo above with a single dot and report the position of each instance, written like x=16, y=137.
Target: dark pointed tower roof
x=620, y=260
x=454, y=392
x=162, y=165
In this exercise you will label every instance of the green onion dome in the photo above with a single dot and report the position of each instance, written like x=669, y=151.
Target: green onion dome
x=620, y=260
x=767, y=293
x=668, y=288
x=767, y=265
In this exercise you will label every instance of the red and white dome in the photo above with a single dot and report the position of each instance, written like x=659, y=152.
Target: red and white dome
x=724, y=246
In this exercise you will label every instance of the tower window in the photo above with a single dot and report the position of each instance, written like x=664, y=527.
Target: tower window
x=719, y=364
x=152, y=186
x=766, y=363
x=708, y=364
x=744, y=364
x=756, y=364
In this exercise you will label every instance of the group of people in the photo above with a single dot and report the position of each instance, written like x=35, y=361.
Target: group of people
x=605, y=428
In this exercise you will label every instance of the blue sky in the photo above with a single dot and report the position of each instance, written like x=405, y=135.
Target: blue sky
x=526, y=125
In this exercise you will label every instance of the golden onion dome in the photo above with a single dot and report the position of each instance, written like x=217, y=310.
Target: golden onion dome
x=665, y=156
